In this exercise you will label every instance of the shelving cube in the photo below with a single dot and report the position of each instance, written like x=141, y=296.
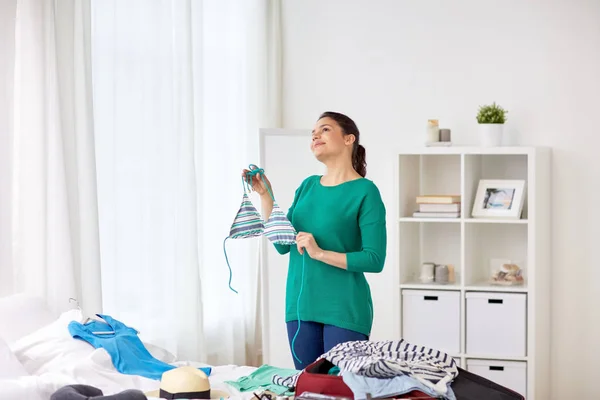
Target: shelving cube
x=469, y=244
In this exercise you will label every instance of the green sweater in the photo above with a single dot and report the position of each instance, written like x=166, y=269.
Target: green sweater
x=347, y=218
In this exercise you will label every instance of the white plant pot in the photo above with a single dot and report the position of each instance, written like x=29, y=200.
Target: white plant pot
x=491, y=134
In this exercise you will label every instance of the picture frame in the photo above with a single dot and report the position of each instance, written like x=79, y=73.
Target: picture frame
x=496, y=198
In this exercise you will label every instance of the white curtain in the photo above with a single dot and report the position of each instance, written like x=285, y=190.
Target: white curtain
x=181, y=88
x=49, y=236
x=8, y=12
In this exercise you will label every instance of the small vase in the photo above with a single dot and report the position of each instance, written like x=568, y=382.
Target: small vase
x=491, y=134
x=432, y=134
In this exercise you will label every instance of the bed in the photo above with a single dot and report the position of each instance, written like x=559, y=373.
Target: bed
x=38, y=356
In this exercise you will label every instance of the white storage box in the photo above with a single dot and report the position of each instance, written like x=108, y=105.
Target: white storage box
x=496, y=324
x=432, y=318
x=510, y=374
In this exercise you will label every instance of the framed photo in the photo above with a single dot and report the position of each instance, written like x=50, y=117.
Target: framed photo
x=499, y=199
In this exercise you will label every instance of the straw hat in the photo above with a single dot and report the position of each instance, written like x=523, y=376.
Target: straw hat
x=186, y=383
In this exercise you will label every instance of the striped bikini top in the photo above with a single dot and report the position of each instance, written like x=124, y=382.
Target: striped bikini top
x=248, y=222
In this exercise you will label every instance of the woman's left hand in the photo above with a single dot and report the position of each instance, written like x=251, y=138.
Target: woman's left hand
x=306, y=241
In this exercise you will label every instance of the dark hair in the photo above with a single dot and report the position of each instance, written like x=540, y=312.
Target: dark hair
x=359, y=161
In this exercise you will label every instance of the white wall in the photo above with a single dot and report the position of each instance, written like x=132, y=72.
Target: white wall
x=393, y=64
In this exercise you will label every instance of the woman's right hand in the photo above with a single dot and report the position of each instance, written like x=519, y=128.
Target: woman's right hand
x=257, y=184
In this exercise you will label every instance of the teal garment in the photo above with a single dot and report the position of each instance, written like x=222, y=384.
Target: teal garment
x=127, y=352
x=262, y=379
x=348, y=218
x=334, y=371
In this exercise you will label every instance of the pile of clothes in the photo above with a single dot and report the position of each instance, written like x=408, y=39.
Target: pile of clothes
x=388, y=368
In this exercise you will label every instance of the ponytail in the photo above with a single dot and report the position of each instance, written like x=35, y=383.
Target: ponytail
x=359, y=160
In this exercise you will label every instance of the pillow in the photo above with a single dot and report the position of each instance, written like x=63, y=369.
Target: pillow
x=10, y=367
x=51, y=348
x=24, y=314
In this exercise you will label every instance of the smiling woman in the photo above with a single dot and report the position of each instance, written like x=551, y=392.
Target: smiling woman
x=349, y=131
x=341, y=224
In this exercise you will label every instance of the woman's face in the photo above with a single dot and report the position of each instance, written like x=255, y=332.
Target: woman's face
x=328, y=140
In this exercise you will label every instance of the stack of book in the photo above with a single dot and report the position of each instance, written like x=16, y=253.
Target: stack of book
x=438, y=206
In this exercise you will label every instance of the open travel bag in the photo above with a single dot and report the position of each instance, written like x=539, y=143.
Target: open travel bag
x=466, y=386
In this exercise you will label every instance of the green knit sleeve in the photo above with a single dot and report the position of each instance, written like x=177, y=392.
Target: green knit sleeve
x=371, y=220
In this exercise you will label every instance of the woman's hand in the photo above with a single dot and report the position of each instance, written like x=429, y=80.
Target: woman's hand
x=257, y=184
x=306, y=241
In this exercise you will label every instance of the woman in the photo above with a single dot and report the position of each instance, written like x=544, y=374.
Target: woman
x=340, y=220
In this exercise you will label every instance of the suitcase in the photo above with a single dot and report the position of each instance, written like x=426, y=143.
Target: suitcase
x=316, y=379
x=469, y=386
x=466, y=386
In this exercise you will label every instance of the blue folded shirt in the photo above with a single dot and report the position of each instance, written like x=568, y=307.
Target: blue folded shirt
x=128, y=354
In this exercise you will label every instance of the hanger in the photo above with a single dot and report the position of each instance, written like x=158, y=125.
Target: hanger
x=88, y=319
x=84, y=320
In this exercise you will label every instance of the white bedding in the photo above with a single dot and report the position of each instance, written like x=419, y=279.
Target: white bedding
x=46, y=359
x=41, y=387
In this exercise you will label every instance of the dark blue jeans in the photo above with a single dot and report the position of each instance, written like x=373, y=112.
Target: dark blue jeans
x=314, y=339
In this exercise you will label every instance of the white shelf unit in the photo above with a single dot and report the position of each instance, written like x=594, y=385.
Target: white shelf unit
x=468, y=243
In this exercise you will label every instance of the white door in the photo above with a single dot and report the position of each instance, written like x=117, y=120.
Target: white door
x=287, y=161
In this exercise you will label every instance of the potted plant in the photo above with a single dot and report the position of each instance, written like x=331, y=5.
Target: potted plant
x=491, y=119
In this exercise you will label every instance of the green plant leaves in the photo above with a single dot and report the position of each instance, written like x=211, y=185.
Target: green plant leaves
x=491, y=114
